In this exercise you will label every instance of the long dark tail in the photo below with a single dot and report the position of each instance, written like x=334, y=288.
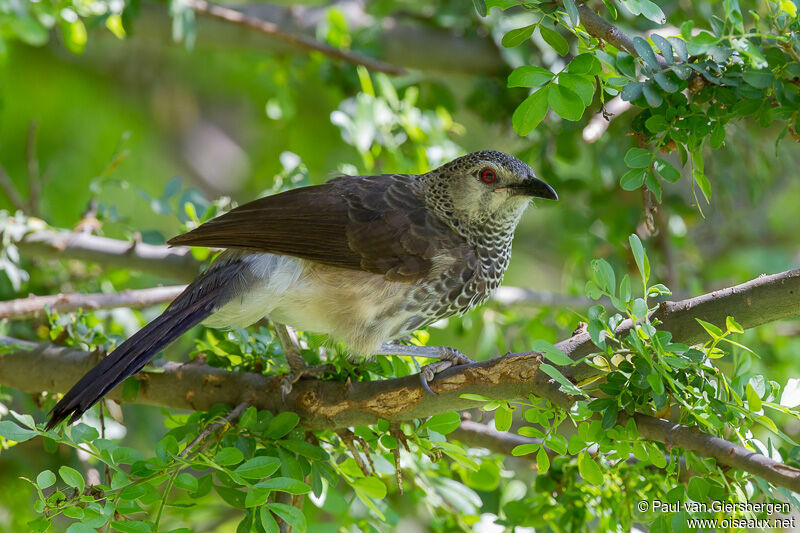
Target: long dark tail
x=201, y=298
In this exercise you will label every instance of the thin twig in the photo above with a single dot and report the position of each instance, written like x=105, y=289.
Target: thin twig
x=11, y=190
x=300, y=41
x=63, y=303
x=229, y=418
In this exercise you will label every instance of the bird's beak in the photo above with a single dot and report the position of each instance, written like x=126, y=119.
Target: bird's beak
x=535, y=188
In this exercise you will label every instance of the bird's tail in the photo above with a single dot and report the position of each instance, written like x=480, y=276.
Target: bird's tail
x=200, y=299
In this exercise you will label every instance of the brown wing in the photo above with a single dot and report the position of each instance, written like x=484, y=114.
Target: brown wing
x=374, y=223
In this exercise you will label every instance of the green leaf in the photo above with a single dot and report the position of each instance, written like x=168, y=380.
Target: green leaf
x=679, y=46
x=581, y=84
x=655, y=383
x=632, y=91
x=502, y=418
x=524, y=449
x=585, y=63
x=604, y=275
x=645, y=52
x=665, y=82
x=11, y=431
x=702, y=181
x=552, y=353
x=305, y=449
x=282, y=424
x=589, y=469
x=530, y=431
x=480, y=7
x=258, y=467
x=74, y=35
x=529, y=76
x=753, y=400
x=476, y=397
x=565, y=102
x=572, y=12
x=666, y=170
x=733, y=326
x=77, y=527
x=285, y=484
x=517, y=36
x=41, y=524
x=554, y=39
x=633, y=179
x=229, y=456
x=566, y=385
x=651, y=95
x=640, y=309
x=530, y=112
x=249, y=418
x=646, y=8
x=186, y=481
x=72, y=477
x=542, y=461
x=664, y=46
x=442, y=423
x=268, y=521
x=638, y=158
x=656, y=123
x=256, y=496
x=625, y=288
x=371, y=487
x=760, y=79
x=712, y=330
x=45, y=479
x=698, y=489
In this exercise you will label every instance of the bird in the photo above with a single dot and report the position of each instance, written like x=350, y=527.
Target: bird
x=364, y=259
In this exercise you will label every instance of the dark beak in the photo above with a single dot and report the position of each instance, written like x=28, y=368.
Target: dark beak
x=535, y=188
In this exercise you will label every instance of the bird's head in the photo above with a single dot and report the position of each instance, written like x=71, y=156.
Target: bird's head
x=485, y=187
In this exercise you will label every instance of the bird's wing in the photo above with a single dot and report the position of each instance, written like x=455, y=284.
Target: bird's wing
x=379, y=224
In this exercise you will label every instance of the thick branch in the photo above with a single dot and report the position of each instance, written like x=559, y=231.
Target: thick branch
x=759, y=301
x=297, y=40
x=333, y=404
x=63, y=303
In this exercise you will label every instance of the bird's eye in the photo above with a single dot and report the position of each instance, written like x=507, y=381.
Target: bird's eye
x=488, y=175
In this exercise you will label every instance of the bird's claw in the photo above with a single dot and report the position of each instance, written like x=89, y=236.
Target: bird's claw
x=295, y=375
x=449, y=357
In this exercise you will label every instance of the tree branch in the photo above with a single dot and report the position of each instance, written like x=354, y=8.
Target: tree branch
x=332, y=404
x=410, y=45
x=63, y=303
x=176, y=263
x=759, y=301
x=297, y=40
x=597, y=26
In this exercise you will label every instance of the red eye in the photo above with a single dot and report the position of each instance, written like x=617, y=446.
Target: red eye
x=488, y=175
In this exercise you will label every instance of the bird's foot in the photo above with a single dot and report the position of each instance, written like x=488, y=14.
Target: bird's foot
x=448, y=357
x=299, y=372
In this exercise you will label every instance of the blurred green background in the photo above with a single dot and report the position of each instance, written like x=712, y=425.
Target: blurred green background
x=134, y=128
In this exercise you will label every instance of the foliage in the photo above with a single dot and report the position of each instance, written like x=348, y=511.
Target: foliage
x=715, y=109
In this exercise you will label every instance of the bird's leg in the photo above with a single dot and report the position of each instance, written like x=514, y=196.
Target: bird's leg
x=297, y=365
x=447, y=357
